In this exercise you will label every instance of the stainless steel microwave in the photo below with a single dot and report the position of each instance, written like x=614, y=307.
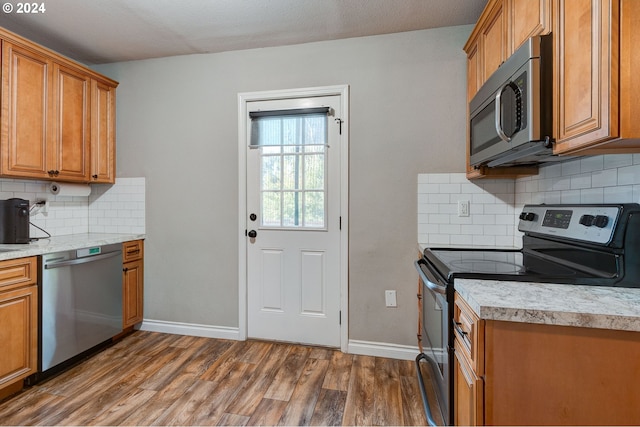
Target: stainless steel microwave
x=510, y=118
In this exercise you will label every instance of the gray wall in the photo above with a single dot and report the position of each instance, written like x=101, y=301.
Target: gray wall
x=177, y=126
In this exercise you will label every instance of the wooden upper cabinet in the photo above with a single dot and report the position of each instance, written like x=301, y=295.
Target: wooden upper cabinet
x=26, y=112
x=585, y=105
x=70, y=152
x=494, y=39
x=103, y=130
x=58, y=117
x=596, y=76
x=474, y=73
x=527, y=19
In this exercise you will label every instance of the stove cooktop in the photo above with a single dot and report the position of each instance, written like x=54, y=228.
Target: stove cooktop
x=501, y=265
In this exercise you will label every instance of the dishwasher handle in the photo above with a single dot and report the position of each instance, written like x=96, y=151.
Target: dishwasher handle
x=82, y=260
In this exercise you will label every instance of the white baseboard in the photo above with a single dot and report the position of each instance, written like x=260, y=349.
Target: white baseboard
x=379, y=349
x=366, y=348
x=192, y=329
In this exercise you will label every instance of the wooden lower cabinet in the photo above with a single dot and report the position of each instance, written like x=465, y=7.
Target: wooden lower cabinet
x=534, y=374
x=132, y=283
x=469, y=392
x=18, y=322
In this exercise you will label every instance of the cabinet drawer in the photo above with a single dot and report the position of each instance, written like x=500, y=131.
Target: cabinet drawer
x=16, y=273
x=132, y=251
x=469, y=332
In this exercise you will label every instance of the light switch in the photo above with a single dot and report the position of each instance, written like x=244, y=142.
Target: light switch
x=390, y=298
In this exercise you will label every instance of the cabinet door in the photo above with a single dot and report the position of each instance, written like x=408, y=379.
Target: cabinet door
x=70, y=154
x=474, y=71
x=468, y=393
x=18, y=334
x=25, y=112
x=103, y=135
x=585, y=99
x=527, y=19
x=132, y=293
x=494, y=40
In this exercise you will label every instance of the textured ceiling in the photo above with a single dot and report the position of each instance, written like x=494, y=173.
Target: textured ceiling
x=103, y=31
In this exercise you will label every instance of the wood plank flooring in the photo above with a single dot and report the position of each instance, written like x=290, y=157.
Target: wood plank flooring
x=151, y=378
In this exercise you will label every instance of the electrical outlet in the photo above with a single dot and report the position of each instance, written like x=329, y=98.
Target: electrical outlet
x=463, y=208
x=42, y=206
x=390, y=298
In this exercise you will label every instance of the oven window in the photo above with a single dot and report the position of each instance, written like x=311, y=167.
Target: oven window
x=434, y=328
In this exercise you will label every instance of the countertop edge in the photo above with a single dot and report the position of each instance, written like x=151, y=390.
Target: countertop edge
x=586, y=306
x=64, y=243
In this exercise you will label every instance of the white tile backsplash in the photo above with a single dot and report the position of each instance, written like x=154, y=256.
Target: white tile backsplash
x=491, y=219
x=496, y=204
x=116, y=208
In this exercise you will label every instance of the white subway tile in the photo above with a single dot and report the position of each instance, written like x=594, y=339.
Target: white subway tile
x=570, y=196
x=581, y=181
x=461, y=239
x=613, y=161
x=591, y=163
x=619, y=194
x=449, y=188
x=592, y=195
x=571, y=167
x=604, y=178
x=629, y=175
x=439, y=178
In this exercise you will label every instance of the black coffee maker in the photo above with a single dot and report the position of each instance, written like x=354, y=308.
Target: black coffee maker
x=14, y=221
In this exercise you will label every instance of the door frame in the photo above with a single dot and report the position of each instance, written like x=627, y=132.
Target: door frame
x=243, y=115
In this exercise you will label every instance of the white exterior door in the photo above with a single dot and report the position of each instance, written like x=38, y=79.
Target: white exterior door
x=293, y=220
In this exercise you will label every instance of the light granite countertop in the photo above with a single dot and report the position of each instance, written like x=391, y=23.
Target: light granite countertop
x=63, y=243
x=553, y=304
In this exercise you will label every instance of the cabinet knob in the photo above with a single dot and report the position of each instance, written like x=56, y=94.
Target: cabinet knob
x=94, y=176
x=125, y=269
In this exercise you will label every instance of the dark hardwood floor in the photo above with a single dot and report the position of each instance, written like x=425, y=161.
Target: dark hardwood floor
x=161, y=379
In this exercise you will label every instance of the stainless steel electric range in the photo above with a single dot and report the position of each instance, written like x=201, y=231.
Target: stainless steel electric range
x=595, y=245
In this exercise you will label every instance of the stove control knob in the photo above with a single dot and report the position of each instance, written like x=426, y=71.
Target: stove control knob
x=587, y=220
x=527, y=216
x=601, y=221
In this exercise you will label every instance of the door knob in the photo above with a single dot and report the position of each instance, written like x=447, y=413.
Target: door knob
x=252, y=234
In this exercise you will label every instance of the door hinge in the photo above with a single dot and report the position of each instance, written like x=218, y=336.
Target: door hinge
x=340, y=121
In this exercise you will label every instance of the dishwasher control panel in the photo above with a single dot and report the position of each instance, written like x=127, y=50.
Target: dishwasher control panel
x=96, y=250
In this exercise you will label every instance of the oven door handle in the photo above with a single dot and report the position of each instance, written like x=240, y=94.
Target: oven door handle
x=429, y=282
x=423, y=390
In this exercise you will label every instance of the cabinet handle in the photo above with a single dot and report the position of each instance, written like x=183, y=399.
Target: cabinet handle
x=458, y=328
x=125, y=269
x=51, y=172
x=56, y=172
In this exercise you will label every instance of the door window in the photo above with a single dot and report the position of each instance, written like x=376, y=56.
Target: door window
x=293, y=169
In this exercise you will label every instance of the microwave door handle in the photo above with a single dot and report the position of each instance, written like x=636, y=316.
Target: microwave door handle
x=498, y=116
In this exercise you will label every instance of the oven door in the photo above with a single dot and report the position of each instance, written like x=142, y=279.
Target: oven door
x=435, y=335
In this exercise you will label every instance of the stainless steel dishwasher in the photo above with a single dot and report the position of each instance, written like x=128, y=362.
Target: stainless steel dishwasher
x=81, y=304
